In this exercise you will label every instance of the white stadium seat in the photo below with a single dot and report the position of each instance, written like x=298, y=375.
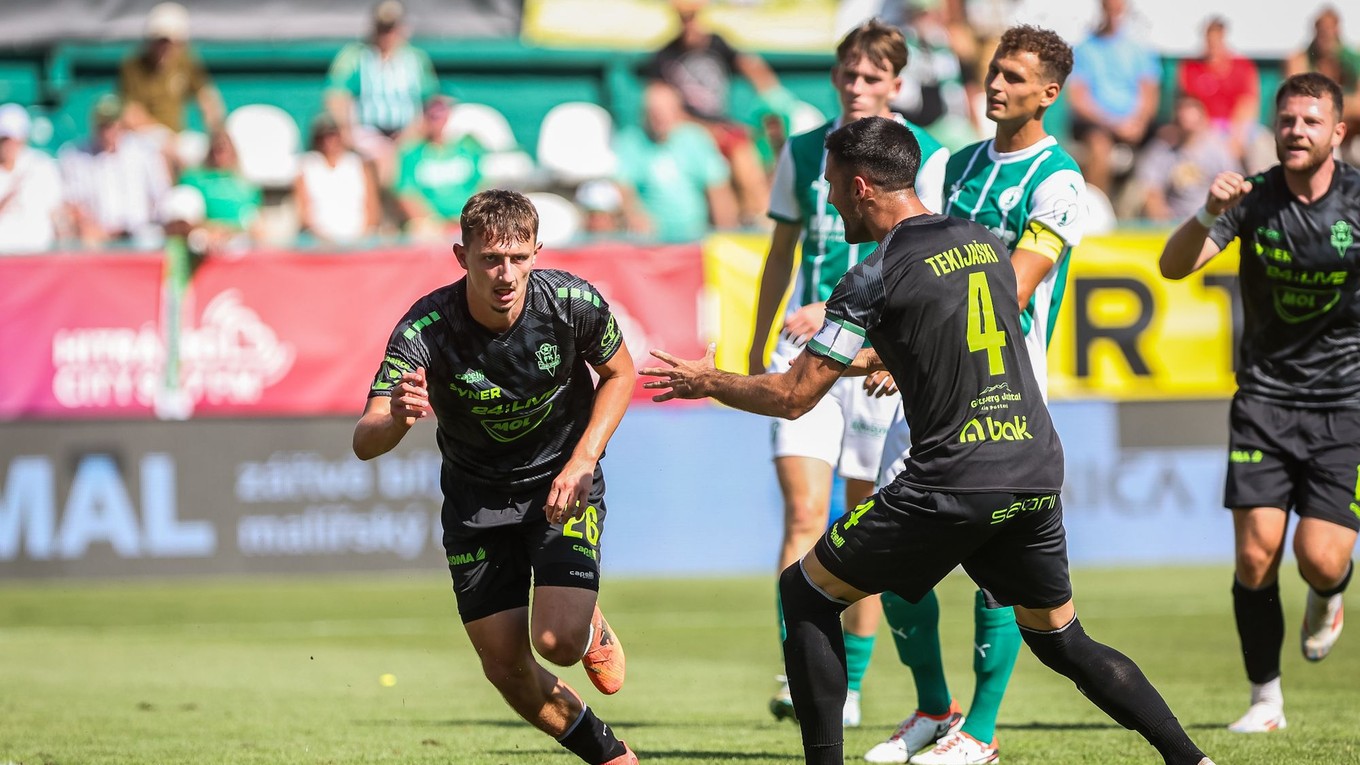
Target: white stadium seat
x=267, y=143
x=488, y=126
x=559, y=220
x=574, y=143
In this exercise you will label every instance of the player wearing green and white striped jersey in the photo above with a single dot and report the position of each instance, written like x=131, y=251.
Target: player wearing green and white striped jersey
x=844, y=432
x=1029, y=193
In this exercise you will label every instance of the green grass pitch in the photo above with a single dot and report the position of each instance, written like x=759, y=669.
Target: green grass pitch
x=282, y=671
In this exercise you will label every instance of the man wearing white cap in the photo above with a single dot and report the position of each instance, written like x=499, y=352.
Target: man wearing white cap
x=30, y=188
x=160, y=77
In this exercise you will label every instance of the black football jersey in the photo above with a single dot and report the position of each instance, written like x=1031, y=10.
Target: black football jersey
x=510, y=407
x=1299, y=276
x=937, y=300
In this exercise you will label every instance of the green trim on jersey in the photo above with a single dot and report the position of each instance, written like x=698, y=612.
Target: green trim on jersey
x=825, y=254
x=1000, y=196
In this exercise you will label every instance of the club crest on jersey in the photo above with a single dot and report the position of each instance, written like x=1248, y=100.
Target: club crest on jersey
x=1342, y=238
x=1010, y=198
x=548, y=358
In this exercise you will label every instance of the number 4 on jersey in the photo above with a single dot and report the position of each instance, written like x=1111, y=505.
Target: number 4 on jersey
x=983, y=334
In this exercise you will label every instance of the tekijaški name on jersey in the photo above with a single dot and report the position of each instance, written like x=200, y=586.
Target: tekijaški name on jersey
x=510, y=407
x=938, y=301
x=1299, y=278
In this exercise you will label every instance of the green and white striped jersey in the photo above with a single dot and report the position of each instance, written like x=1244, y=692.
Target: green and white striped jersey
x=1010, y=191
x=799, y=195
x=388, y=93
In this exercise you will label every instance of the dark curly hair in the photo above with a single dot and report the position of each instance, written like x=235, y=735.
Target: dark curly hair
x=1053, y=52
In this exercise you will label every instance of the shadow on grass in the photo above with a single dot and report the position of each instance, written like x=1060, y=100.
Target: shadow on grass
x=692, y=755
x=1048, y=726
x=508, y=722
x=1042, y=726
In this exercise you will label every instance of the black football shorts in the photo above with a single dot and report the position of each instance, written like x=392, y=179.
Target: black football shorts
x=906, y=540
x=494, y=566
x=1305, y=460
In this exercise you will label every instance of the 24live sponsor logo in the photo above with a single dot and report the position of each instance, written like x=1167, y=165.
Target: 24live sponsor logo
x=231, y=357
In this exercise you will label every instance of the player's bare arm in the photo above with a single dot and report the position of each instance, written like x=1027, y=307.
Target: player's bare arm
x=877, y=381
x=386, y=420
x=787, y=394
x=1030, y=269
x=1189, y=247
x=571, y=488
x=774, y=282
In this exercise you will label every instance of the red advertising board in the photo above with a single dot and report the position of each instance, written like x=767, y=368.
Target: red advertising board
x=271, y=333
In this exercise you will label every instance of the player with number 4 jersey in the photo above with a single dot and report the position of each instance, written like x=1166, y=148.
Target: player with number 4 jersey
x=982, y=484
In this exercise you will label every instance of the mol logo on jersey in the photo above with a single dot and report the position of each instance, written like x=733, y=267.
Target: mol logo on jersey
x=988, y=429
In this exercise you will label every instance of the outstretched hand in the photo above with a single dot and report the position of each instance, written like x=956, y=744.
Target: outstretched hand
x=682, y=378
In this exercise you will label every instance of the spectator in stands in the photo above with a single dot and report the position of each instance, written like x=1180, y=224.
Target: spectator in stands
x=335, y=193
x=231, y=212
x=114, y=181
x=1114, y=91
x=30, y=189
x=375, y=88
x=1176, y=169
x=700, y=64
x=934, y=93
x=673, y=179
x=1229, y=87
x=160, y=77
x=1327, y=53
x=437, y=176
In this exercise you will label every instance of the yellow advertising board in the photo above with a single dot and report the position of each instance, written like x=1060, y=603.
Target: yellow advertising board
x=802, y=26
x=1124, y=332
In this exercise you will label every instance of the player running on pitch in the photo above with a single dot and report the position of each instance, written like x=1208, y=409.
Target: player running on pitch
x=981, y=485
x=1029, y=192
x=845, y=431
x=1294, y=427
x=501, y=359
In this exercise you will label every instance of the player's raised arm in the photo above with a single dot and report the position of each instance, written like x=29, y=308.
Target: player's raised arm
x=1190, y=247
x=387, y=418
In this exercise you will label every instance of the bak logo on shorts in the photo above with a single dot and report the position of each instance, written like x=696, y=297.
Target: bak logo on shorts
x=462, y=559
x=1244, y=456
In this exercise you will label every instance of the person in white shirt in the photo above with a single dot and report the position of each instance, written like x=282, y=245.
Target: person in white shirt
x=336, y=195
x=30, y=189
x=114, y=182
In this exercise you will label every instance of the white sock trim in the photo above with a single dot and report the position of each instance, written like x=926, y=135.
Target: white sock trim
x=573, y=725
x=1268, y=693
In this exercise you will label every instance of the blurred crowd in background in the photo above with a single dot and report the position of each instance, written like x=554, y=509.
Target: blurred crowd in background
x=389, y=156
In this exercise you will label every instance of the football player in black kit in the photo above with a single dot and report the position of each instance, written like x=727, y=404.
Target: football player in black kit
x=501, y=359
x=937, y=299
x=1294, y=427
